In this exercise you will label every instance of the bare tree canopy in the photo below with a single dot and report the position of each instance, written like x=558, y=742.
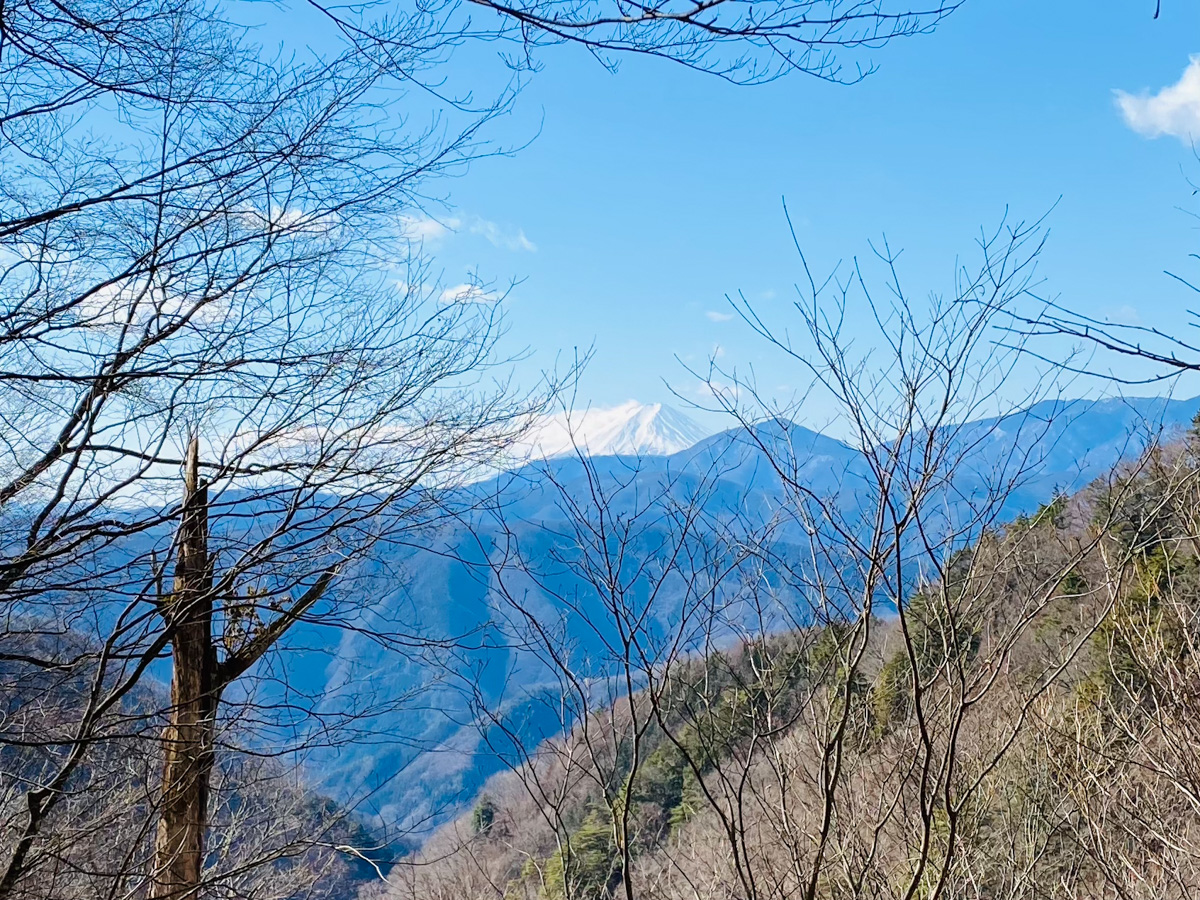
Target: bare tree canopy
x=201, y=257
x=228, y=377
x=745, y=41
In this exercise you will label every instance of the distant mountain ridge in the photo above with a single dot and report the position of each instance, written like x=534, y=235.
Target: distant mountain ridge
x=438, y=758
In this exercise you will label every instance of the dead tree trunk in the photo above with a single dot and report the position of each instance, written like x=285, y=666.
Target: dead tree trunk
x=188, y=740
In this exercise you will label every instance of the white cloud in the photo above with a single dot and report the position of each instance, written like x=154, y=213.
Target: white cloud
x=423, y=228
x=726, y=393
x=468, y=293
x=1174, y=110
x=714, y=316
x=498, y=236
x=117, y=305
x=1122, y=315
x=286, y=219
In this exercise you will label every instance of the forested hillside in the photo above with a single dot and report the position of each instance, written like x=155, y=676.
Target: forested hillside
x=1026, y=727
x=522, y=534
x=278, y=835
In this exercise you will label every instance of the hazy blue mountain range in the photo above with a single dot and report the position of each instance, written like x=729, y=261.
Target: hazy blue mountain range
x=425, y=757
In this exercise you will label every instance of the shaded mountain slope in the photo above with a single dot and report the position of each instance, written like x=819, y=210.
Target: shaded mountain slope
x=427, y=756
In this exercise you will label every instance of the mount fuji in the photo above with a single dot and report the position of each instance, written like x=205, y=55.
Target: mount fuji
x=422, y=764
x=630, y=429
x=422, y=747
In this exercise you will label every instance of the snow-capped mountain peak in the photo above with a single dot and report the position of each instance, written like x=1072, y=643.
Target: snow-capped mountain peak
x=632, y=428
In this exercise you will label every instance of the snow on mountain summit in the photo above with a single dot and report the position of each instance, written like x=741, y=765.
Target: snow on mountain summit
x=643, y=429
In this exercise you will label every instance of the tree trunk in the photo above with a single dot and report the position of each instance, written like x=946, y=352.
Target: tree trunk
x=188, y=740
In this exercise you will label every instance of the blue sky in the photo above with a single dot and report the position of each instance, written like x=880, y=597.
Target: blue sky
x=644, y=197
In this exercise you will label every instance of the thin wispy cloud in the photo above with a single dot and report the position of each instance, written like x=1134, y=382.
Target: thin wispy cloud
x=725, y=393
x=499, y=236
x=468, y=293
x=1122, y=315
x=426, y=229
x=714, y=316
x=1174, y=110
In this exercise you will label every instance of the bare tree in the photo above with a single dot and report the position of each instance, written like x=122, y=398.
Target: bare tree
x=203, y=267
x=881, y=687
x=214, y=288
